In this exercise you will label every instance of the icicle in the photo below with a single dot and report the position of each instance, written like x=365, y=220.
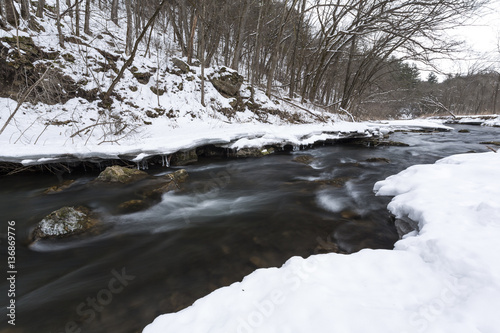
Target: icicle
x=138, y=166
x=167, y=159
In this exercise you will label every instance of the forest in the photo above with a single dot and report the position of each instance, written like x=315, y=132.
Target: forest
x=359, y=57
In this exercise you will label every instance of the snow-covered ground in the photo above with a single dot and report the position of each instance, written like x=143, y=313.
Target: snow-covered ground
x=43, y=134
x=443, y=278
x=492, y=120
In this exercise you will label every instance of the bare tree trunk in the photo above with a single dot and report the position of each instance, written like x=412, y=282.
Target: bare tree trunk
x=256, y=59
x=239, y=39
x=274, y=54
x=495, y=97
x=70, y=11
x=11, y=14
x=58, y=23
x=202, y=52
x=293, y=70
x=177, y=32
x=25, y=9
x=86, y=25
x=114, y=11
x=130, y=28
x=39, y=9
x=191, y=39
x=77, y=18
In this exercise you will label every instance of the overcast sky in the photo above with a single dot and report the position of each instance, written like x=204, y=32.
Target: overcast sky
x=482, y=36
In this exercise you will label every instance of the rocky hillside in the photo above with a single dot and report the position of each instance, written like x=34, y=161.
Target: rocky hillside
x=158, y=84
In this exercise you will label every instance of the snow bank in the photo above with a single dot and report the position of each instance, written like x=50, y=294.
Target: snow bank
x=446, y=278
x=67, y=132
x=495, y=122
x=483, y=120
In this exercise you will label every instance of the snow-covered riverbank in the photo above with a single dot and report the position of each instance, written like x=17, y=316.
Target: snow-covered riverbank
x=444, y=278
x=68, y=132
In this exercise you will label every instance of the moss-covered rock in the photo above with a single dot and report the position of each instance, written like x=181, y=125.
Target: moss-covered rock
x=64, y=222
x=119, y=174
x=254, y=152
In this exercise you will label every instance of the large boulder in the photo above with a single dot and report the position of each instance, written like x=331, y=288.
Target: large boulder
x=227, y=81
x=64, y=222
x=122, y=175
x=181, y=65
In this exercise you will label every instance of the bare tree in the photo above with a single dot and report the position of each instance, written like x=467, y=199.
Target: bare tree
x=58, y=23
x=86, y=25
x=114, y=11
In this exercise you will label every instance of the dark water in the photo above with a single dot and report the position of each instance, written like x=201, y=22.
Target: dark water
x=232, y=217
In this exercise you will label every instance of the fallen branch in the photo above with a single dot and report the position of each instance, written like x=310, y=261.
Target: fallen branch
x=492, y=149
x=348, y=113
x=90, y=126
x=302, y=108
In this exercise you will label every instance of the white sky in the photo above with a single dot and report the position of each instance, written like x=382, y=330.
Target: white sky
x=482, y=37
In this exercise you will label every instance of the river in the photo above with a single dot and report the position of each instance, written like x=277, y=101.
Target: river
x=232, y=217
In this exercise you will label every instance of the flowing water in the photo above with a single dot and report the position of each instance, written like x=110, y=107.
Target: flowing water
x=232, y=217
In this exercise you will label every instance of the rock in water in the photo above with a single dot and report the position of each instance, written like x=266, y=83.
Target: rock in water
x=167, y=183
x=178, y=176
x=254, y=152
x=305, y=159
x=64, y=222
x=133, y=206
x=59, y=188
x=119, y=174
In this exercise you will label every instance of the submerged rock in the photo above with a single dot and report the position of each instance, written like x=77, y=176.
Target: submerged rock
x=178, y=176
x=119, y=174
x=133, y=206
x=378, y=160
x=167, y=183
x=376, y=142
x=60, y=187
x=64, y=222
x=305, y=159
